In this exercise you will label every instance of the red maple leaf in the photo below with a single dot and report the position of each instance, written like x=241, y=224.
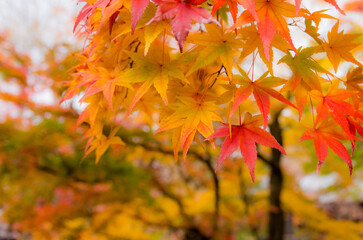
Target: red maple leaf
x=261, y=89
x=89, y=8
x=333, y=103
x=137, y=9
x=245, y=136
x=271, y=19
x=328, y=135
x=182, y=13
x=195, y=2
x=355, y=125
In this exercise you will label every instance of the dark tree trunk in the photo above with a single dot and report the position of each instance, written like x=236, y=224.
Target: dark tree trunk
x=276, y=215
x=193, y=233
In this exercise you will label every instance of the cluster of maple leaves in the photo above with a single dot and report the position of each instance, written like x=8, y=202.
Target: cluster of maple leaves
x=130, y=67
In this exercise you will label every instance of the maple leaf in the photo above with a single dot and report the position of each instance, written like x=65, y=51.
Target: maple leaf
x=153, y=69
x=355, y=125
x=328, y=135
x=182, y=13
x=339, y=46
x=124, y=20
x=233, y=8
x=217, y=4
x=137, y=9
x=189, y=116
x=152, y=31
x=252, y=41
x=92, y=114
x=318, y=15
x=110, y=14
x=89, y=8
x=251, y=6
x=261, y=89
x=245, y=136
x=215, y=44
x=305, y=78
x=316, y=18
x=195, y=2
x=333, y=103
x=102, y=144
x=354, y=79
x=271, y=20
x=98, y=80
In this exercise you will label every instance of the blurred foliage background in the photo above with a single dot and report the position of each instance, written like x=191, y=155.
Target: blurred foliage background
x=49, y=191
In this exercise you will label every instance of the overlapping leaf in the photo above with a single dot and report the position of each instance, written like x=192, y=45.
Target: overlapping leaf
x=217, y=4
x=261, y=89
x=98, y=80
x=354, y=83
x=123, y=70
x=327, y=135
x=271, y=20
x=215, y=44
x=182, y=14
x=305, y=77
x=190, y=115
x=137, y=9
x=333, y=103
x=154, y=69
x=252, y=42
x=89, y=8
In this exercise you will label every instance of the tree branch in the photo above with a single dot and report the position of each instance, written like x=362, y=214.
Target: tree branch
x=216, y=191
x=206, y=159
x=169, y=194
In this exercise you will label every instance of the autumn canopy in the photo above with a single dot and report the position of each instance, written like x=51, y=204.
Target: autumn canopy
x=188, y=69
x=182, y=119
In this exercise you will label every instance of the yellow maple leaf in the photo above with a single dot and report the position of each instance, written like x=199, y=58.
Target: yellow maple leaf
x=190, y=115
x=154, y=69
x=215, y=44
x=339, y=46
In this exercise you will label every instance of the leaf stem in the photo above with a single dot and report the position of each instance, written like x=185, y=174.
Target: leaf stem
x=312, y=110
x=239, y=115
x=215, y=79
x=254, y=55
x=162, y=59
